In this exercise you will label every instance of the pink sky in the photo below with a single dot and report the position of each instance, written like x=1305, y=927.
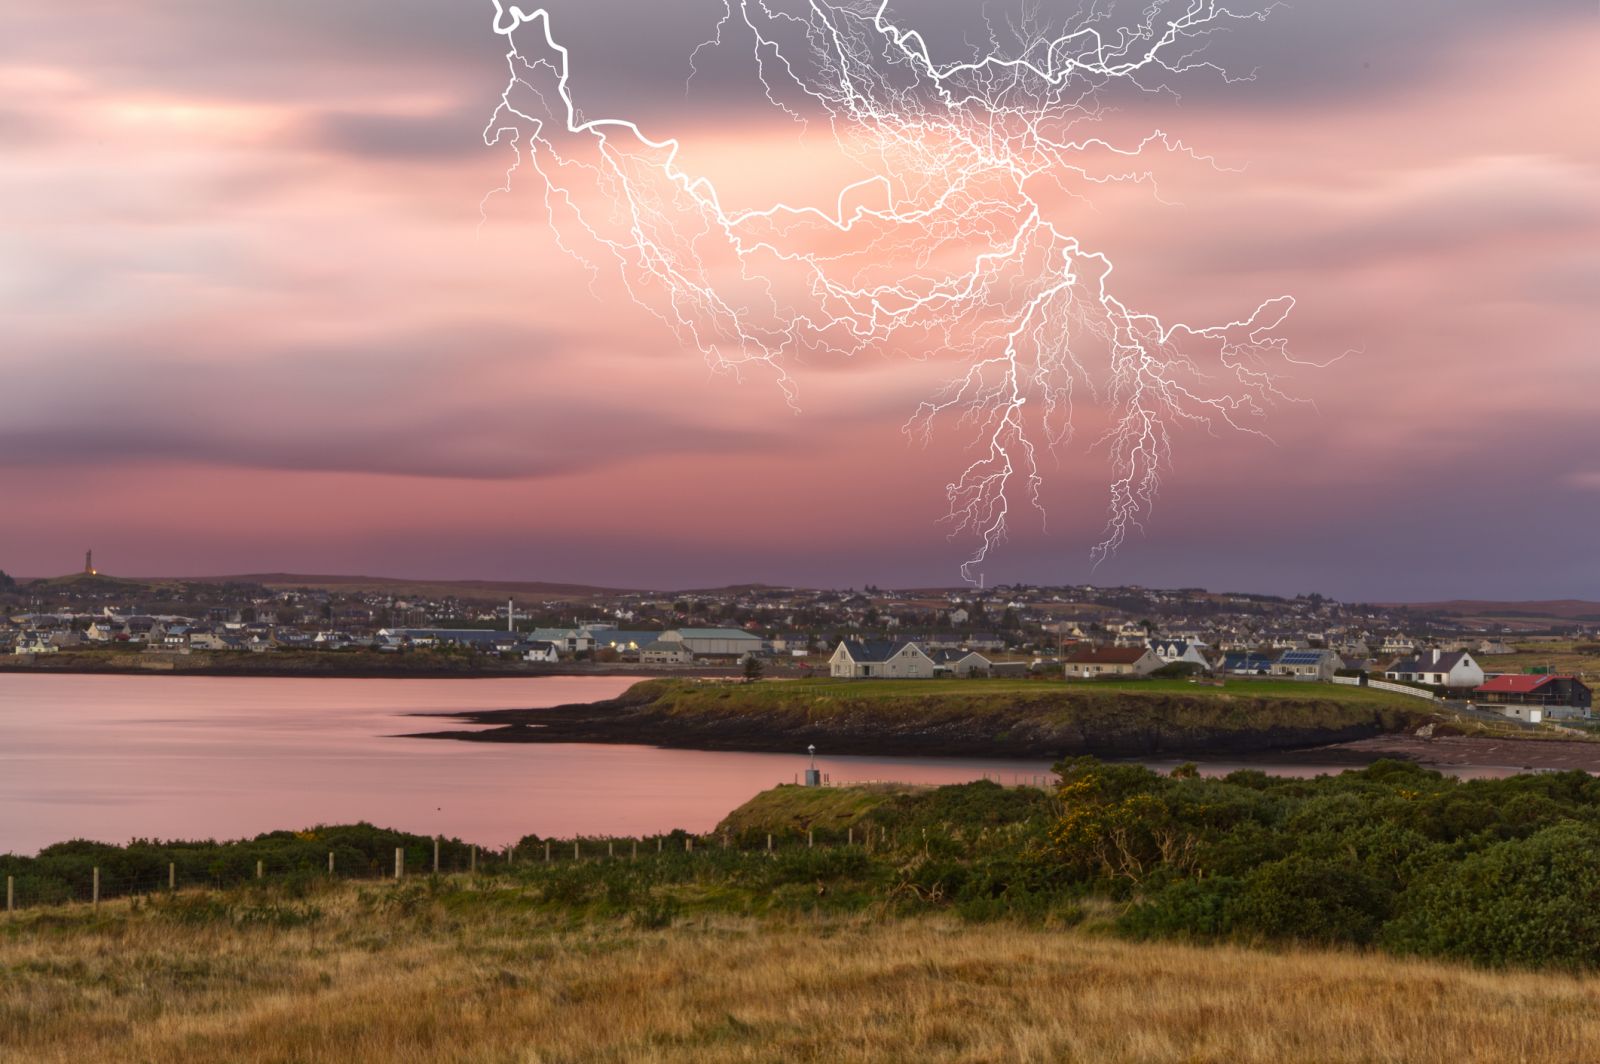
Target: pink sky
x=251, y=324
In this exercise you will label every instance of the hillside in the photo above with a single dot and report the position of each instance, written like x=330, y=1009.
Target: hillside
x=473, y=974
x=420, y=588
x=1547, y=612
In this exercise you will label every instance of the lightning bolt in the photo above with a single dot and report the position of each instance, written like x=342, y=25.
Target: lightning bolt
x=949, y=245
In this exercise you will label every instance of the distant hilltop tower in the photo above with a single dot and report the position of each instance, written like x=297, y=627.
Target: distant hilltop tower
x=88, y=564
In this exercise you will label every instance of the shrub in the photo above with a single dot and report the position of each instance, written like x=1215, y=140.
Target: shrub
x=1304, y=898
x=1532, y=901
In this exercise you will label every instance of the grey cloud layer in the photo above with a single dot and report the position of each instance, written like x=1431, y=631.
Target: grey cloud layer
x=353, y=409
x=638, y=52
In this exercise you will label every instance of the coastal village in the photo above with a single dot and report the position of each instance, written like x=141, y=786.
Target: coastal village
x=1079, y=632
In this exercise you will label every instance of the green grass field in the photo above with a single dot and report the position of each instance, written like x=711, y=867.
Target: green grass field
x=778, y=692
x=1581, y=659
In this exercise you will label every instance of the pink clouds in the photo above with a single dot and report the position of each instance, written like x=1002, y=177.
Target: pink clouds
x=252, y=323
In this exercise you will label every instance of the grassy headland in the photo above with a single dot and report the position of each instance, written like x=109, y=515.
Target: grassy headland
x=996, y=717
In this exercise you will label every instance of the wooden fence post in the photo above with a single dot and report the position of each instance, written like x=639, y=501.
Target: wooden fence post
x=611, y=848
x=574, y=849
x=769, y=842
x=850, y=839
x=811, y=839
x=399, y=861
x=330, y=862
x=547, y=851
x=688, y=844
x=658, y=844
x=436, y=855
x=472, y=860
x=96, y=888
x=635, y=849
x=11, y=895
x=172, y=875
x=261, y=870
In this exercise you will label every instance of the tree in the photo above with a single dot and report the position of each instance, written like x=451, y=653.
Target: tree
x=752, y=669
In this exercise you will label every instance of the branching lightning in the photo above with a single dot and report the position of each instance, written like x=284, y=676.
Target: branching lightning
x=949, y=246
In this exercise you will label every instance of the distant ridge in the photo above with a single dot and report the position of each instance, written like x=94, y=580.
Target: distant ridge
x=1551, y=609
x=401, y=585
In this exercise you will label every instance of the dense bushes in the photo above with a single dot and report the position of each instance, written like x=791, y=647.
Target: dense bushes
x=1498, y=872
x=1532, y=901
x=65, y=870
x=1493, y=871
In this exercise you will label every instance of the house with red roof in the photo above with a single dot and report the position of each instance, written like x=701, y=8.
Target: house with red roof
x=1085, y=661
x=1545, y=692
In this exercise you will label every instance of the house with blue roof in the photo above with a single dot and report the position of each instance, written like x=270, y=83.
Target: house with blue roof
x=877, y=659
x=1246, y=663
x=1310, y=664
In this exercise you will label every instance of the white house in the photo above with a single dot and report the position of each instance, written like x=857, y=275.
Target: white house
x=956, y=663
x=1438, y=668
x=880, y=659
x=1087, y=661
x=661, y=652
x=571, y=640
x=36, y=643
x=1176, y=651
x=542, y=651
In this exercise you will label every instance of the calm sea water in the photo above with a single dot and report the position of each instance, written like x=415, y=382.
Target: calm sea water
x=118, y=757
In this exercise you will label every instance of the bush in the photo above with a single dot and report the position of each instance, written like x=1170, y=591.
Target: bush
x=1198, y=908
x=1310, y=900
x=1532, y=901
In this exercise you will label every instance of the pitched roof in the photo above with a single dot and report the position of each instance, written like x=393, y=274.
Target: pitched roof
x=871, y=650
x=1092, y=655
x=1515, y=685
x=946, y=656
x=716, y=633
x=1422, y=663
x=1301, y=657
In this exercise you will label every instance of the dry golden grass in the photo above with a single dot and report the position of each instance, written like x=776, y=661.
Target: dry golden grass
x=402, y=978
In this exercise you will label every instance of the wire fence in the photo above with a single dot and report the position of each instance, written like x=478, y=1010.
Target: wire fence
x=91, y=884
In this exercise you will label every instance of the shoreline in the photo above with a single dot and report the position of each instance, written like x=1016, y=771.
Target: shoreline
x=1048, y=723
x=1457, y=751
x=316, y=666
x=1511, y=756
x=641, y=716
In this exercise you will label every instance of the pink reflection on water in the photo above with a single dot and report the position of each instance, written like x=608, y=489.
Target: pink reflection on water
x=117, y=757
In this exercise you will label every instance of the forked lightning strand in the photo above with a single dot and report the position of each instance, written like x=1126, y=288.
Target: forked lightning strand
x=951, y=247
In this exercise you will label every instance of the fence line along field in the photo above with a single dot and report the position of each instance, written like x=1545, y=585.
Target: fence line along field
x=1386, y=914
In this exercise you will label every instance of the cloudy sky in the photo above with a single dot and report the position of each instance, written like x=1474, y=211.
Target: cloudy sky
x=251, y=320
